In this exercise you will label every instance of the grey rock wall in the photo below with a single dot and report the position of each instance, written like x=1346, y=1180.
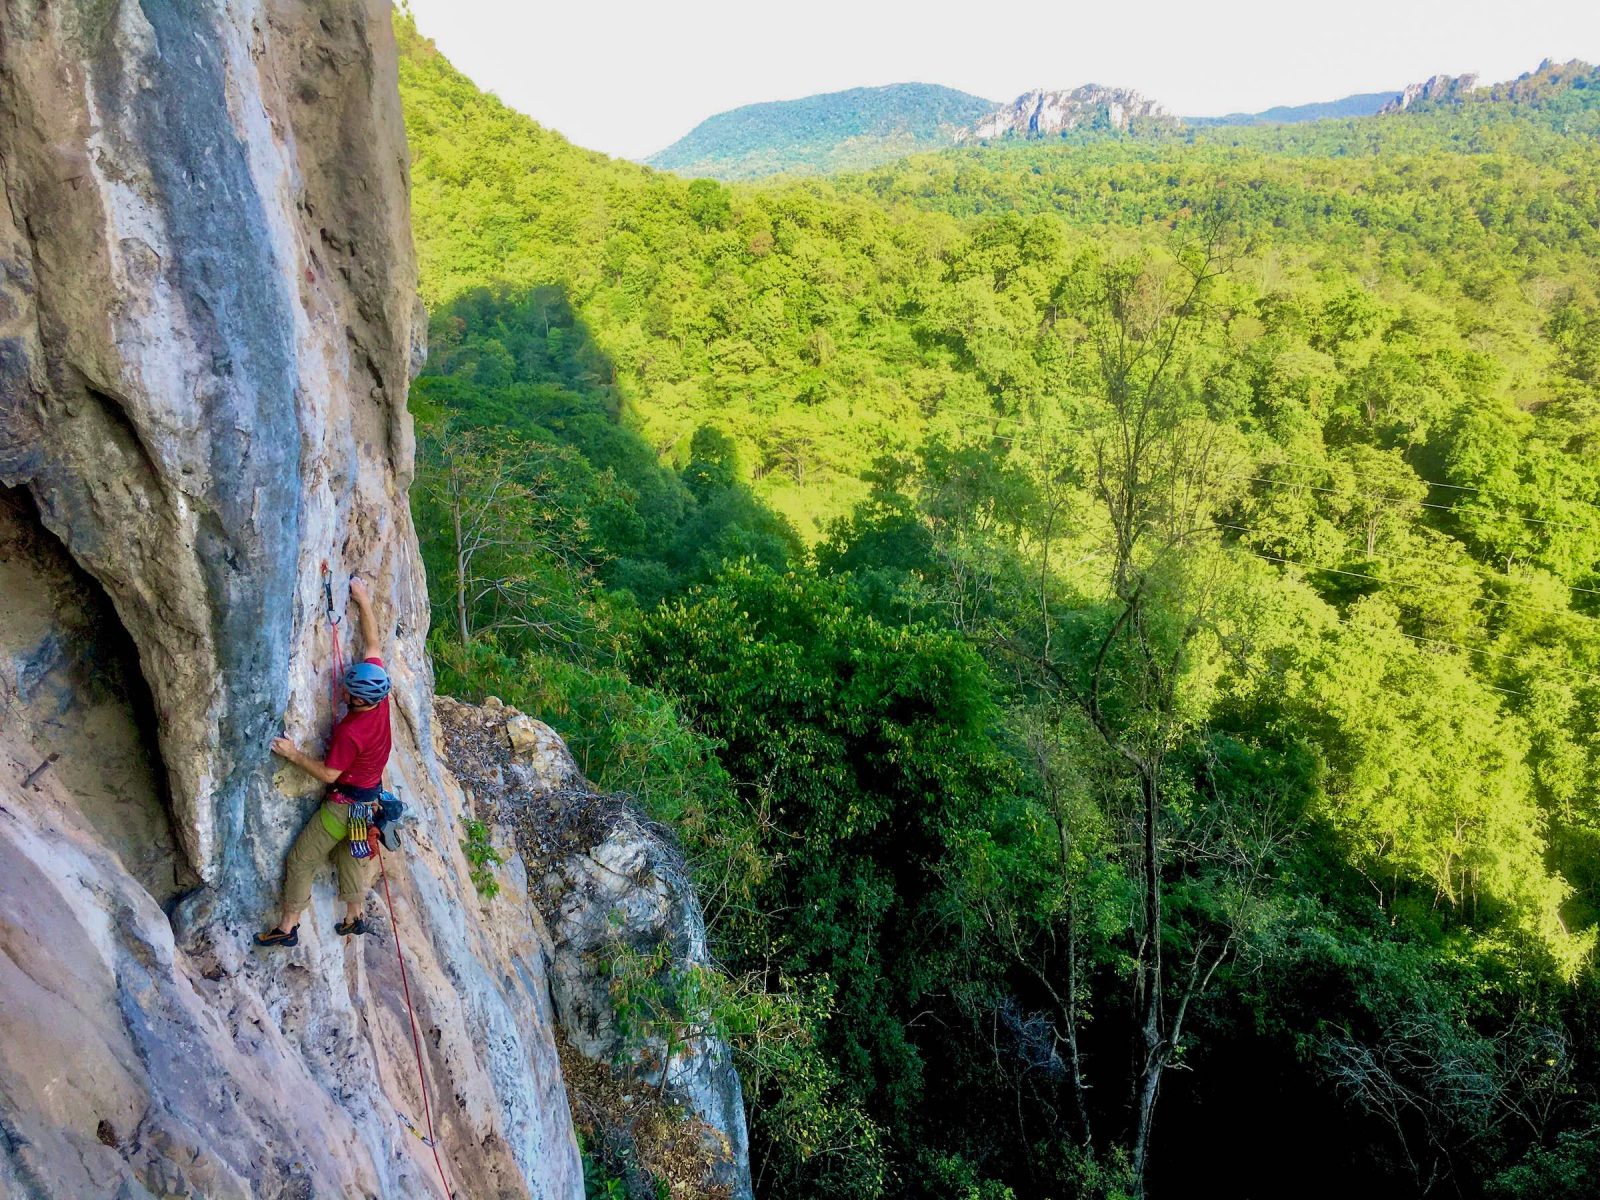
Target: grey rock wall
x=207, y=322
x=1049, y=113
x=1437, y=89
x=602, y=878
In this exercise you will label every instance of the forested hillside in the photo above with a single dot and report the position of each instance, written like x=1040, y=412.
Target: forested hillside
x=1362, y=104
x=1115, y=626
x=837, y=131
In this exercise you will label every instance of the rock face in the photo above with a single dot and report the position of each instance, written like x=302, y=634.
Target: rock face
x=602, y=880
x=1441, y=89
x=69, y=680
x=207, y=325
x=1046, y=114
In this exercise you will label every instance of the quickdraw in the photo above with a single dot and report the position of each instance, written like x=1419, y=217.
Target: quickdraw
x=359, y=826
x=415, y=1132
x=334, y=618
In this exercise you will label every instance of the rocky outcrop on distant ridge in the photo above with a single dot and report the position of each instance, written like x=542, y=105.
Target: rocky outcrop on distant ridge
x=1440, y=89
x=1090, y=107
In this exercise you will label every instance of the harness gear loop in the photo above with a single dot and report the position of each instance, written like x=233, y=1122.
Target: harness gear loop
x=362, y=813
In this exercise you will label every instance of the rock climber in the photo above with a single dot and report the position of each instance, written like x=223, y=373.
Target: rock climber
x=358, y=750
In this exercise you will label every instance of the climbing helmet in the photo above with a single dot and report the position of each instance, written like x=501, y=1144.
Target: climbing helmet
x=366, y=682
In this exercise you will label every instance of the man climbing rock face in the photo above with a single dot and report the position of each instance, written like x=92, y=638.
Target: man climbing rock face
x=358, y=750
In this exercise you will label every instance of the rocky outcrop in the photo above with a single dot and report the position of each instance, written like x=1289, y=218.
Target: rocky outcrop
x=605, y=882
x=1547, y=83
x=207, y=324
x=1440, y=89
x=1090, y=107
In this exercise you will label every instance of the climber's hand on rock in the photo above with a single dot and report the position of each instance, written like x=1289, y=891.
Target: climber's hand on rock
x=358, y=591
x=283, y=747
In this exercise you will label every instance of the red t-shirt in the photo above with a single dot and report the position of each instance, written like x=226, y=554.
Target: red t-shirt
x=359, y=747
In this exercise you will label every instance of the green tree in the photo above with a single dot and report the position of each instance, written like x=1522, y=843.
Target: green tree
x=514, y=544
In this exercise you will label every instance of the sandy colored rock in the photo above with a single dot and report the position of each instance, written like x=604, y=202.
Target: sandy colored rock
x=548, y=759
x=522, y=734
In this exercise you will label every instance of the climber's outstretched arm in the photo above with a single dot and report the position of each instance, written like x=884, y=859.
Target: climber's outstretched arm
x=284, y=748
x=371, y=643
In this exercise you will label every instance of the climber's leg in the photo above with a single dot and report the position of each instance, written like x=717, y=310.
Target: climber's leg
x=308, y=853
x=355, y=881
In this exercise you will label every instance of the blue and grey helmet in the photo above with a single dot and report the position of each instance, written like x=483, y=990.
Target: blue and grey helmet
x=366, y=682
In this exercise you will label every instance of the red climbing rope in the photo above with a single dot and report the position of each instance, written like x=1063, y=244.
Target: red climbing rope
x=411, y=1013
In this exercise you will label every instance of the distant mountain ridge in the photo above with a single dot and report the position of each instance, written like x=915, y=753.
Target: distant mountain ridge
x=834, y=131
x=1361, y=104
x=865, y=127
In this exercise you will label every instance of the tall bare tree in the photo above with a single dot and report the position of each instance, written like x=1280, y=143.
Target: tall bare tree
x=1158, y=471
x=518, y=553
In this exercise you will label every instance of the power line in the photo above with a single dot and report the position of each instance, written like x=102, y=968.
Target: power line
x=1015, y=438
x=1381, y=582
x=1029, y=437
x=1572, y=671
x=1471, y=649
x=1461, y=645
x=1035, y=440
x=1432, y=483
x=1423, y=562
x=1397, y=499
x=1311, y=487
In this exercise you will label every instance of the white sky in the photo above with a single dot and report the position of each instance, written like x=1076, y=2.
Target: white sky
x=630, y=76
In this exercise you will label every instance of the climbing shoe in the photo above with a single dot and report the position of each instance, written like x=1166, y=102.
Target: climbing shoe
x=277, y=937
x=347, y=928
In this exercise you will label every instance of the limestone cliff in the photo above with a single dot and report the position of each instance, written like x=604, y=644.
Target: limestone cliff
x=1548, y=84
x=206, y=331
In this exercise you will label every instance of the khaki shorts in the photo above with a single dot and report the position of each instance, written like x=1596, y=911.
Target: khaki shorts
x=315, y=845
